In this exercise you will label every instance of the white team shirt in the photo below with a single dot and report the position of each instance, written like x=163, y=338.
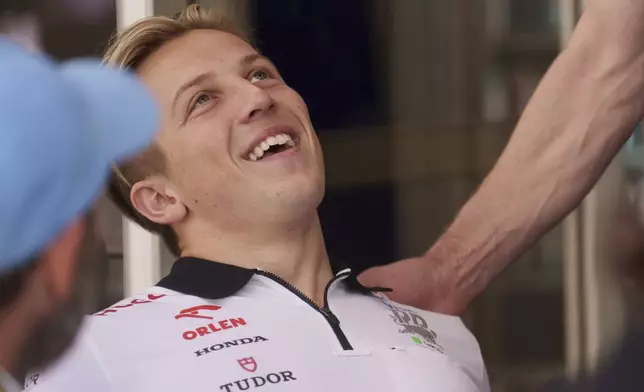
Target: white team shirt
x=214, y=327
x=7, y=382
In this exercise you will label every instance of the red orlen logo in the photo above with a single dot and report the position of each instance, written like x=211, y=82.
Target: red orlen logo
x=248, y=364
x=215, y=326
x=136, y=301
x=194, y=312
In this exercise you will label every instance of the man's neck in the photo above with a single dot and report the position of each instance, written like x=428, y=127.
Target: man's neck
x=296, y=253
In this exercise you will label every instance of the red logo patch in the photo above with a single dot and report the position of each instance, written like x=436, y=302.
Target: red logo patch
x=194, y=312
x=248, y=364
x=136, y=301
x=214, y=327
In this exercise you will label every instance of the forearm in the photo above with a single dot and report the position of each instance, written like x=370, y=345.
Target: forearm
x=580, y=115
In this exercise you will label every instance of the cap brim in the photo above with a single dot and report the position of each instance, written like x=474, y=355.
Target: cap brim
x=122, y=115
x=89, y=117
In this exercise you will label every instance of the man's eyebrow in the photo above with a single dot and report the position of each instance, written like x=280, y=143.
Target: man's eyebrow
x=189, y=84
x=251, y=58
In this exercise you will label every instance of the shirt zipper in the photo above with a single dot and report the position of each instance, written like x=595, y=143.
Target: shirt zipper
x=331, y=318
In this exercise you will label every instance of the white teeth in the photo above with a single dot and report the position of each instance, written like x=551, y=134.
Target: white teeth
x=281, y=139
x=259, y=152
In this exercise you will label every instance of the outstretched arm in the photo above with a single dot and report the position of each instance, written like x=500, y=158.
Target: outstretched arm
x=581, y=114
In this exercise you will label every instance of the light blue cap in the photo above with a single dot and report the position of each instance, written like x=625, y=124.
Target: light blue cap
x=62, y=126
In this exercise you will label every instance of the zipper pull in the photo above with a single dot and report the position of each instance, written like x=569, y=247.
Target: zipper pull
x=330, y=316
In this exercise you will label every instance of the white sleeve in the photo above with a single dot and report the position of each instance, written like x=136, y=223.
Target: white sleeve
x=80, y=369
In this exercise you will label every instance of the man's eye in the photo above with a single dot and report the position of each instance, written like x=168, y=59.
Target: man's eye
x=201, y=100
x=258, y=75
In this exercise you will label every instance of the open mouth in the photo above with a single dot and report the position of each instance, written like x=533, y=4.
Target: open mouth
x=272, y=145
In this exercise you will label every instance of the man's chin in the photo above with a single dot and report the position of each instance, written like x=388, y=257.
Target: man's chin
x=292, y=200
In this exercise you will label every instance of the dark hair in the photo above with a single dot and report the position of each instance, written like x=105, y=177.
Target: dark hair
x=12, y=282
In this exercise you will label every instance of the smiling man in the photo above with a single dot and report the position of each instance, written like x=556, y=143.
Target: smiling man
x=233, y=182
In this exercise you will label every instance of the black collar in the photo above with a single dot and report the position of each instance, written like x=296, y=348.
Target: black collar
x=213, y=280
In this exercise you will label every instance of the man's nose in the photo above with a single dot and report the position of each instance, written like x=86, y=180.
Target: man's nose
x=255, y=103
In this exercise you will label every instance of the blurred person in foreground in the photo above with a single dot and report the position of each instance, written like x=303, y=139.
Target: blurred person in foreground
x=61, y=127
x=233, y=181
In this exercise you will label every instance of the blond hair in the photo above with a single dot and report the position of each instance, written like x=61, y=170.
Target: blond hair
x=129, y=49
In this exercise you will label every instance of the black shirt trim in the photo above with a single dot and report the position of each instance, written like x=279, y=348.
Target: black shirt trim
x=214, y=280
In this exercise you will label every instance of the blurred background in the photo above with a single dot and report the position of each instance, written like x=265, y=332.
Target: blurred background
x=413, y=101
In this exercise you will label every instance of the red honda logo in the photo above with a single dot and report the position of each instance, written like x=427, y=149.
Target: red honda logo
x=194, y=312
x=248, y=364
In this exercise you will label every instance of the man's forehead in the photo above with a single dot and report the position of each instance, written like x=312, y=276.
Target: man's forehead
x=197, y=52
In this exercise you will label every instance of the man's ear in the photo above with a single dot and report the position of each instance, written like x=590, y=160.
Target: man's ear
x=158, y=201
x=59, y=261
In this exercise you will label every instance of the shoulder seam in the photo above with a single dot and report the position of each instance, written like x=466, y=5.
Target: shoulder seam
x=96, y=353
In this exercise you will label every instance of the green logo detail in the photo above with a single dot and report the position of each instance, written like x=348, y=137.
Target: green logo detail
x=415, y=339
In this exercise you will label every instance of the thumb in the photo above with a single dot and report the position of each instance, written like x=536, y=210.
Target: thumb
x=371, y=277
